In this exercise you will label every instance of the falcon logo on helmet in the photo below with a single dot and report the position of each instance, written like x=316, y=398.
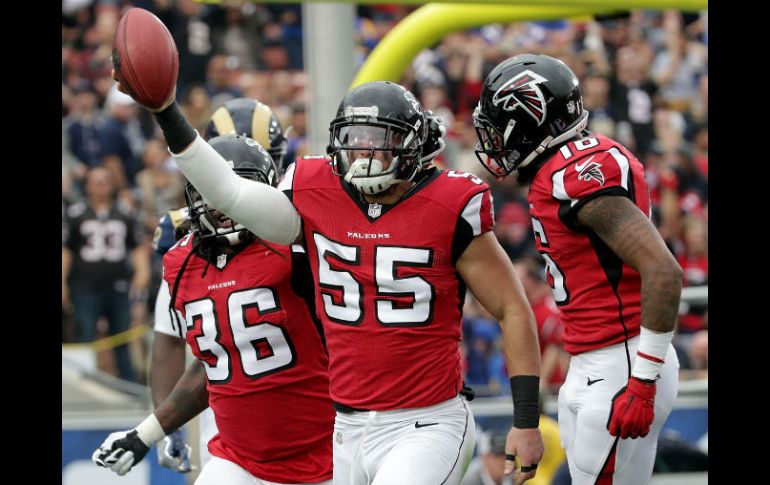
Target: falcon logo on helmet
x=523, y=91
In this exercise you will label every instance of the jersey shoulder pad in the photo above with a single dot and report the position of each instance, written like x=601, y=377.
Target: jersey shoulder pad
x=311, y=172
x=598, y=168
x=456, y=188
x=467, y=196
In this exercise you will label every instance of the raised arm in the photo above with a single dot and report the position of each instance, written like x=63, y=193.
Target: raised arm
x=263, y=209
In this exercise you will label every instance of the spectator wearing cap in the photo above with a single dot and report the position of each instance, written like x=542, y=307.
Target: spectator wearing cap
x=487, y=467
x=121, y=138
x=83, y=124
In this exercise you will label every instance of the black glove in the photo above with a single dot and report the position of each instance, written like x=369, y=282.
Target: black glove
x=120, y=451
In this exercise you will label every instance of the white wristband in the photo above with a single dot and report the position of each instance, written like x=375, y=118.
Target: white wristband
x=150, y=431
x=651, y=354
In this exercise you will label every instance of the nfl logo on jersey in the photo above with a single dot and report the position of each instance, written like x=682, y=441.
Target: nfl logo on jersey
x=375, y=210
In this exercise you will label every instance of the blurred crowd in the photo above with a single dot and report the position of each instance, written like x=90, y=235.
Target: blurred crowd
x=644, y=77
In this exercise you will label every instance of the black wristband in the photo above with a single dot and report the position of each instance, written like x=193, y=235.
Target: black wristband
x=525, y=391
x=178, y=132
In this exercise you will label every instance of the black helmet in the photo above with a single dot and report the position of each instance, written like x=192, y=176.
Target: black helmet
x=249, y=160
x=249, y=117
x=529, y=103
x=375, y=119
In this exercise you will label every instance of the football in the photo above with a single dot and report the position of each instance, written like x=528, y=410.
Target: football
x=145, y=58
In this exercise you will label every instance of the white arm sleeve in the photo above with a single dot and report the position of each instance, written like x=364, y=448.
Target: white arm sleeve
x=163, y=323
x=263, y=209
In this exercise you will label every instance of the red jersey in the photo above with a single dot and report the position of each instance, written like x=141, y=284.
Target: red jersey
x=264, y=358
x=389, y=295
x=599, y=295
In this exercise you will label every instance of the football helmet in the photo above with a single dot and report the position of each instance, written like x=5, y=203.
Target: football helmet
x=377, y=122
x=249, y=117
x=529, y=103
x=249, y=160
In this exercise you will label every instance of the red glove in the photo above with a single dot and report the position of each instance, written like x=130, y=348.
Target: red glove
x=633, y=409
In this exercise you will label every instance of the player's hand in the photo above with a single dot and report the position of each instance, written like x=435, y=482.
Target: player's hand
x=174, y=453
x=120, y=451
x=527, y=446
x=633, y=409
x=124, y=90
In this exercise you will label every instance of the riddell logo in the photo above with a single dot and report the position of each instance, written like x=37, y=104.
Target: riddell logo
x=523, y=91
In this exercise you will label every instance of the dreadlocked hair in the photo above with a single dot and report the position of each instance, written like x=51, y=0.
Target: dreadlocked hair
x=177, y=280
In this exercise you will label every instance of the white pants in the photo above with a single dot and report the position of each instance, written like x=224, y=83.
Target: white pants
x=584, y=411
x=207, y=428
x=223, y=472
x=419, y=446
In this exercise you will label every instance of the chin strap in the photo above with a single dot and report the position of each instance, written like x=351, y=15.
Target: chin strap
x=549, y=141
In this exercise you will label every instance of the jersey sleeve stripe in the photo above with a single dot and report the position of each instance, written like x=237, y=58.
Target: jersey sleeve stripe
x=622, y=163
x=559, y=191
x=164, y=321
x=472, y=213
x=288, y=179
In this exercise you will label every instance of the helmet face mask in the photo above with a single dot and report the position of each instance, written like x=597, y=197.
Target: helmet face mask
x=491, y=150
x=250, y=161
x=377, y=137
x=210, y=223
x=529, y=104
x=370, y=156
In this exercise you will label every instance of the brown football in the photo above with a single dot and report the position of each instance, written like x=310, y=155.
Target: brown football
x=145, y=58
